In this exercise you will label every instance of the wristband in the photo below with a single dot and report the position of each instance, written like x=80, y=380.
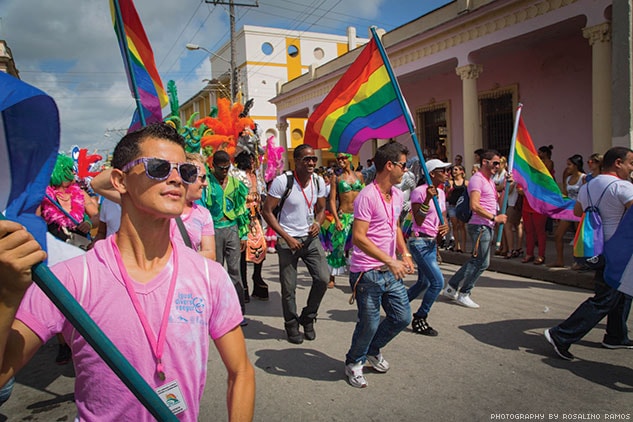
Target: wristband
x=407, y=255
x=493, y=218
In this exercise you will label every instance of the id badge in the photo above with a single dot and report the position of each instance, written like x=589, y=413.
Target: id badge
x=171, y=395
x=310, y=219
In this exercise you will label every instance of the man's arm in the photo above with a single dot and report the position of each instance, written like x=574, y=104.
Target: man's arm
x=18, y=253
x=103, y=186
x=475, y=206
x=240, y=395
x=269, y=205
x=578, y=209
x=360, y=240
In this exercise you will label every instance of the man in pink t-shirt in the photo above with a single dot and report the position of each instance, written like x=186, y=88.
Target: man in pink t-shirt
x=425, y=228
x=376, y=273
x=483, y=203
x=157, y=300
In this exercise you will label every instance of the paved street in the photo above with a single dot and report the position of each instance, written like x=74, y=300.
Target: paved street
x=486, y=364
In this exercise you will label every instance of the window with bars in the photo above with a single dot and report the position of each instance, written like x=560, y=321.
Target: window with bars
x=433, y=132
x=497, y=122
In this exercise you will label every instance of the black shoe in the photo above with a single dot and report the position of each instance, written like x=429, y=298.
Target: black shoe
x=627, y=344
x=260, y=288
x=561, y=350
x=292, y=331
x=308, y=326
x=64, y=355
x=244, y=322
x=420, y=326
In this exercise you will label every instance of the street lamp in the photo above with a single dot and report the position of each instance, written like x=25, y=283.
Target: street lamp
x=233, y=84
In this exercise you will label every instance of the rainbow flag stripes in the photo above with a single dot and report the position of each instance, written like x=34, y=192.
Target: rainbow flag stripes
x=141, y=72
x=362, y=105
x=539, y=187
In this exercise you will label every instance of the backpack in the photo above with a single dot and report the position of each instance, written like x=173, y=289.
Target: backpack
x=289, y=183
x=589, y=238
x=462, y=207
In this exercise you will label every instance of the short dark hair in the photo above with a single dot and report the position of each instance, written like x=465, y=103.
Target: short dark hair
x=613, y=154
x=297, y=152
x=221, y=157
x=243, y=160
x=391, y=151
x=488, y=154
x=129, y=147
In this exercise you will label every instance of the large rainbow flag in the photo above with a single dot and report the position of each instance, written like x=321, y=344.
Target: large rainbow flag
x=143, y=78
x=362, y=105
x=539, y=187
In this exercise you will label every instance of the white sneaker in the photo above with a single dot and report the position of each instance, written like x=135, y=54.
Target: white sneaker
x=450, y=293
x=465, y=300
x=378, y=363
x=354, y=372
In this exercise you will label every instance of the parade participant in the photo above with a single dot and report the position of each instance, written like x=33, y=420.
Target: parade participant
x=195, y=218
x=423, y=243
x=297, y=223
x=67, y=209
x=255, y=250
x=574, y=180
x=226, y=200
x=613, y=186
x=457, y=186
x=141, y=264
x=346, y=188
x=483, y=203
x=375, y=271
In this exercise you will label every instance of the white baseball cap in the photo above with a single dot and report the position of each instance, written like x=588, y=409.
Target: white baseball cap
x=435, y=164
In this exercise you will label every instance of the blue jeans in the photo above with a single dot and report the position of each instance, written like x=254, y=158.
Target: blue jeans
x=313, y=256
x=5, y=392
x=430, y=278
x=478, y=262
x=376, y=288
x=608, y=302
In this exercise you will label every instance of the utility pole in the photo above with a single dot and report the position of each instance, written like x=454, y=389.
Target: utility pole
x=233, y=64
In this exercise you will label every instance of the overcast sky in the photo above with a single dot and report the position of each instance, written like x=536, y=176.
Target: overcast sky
x=68, y=48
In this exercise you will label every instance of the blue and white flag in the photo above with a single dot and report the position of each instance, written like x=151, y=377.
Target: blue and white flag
x=618, y=256
x=29, y=142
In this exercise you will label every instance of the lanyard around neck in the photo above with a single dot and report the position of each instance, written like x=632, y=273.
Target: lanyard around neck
x=157, y=345
x=309, y=203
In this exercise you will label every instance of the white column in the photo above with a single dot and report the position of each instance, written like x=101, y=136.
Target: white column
x=472, y=126
x=599, y=37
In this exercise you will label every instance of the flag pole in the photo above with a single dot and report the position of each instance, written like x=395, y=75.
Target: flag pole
x=127, y=60
x=513, y=143
x=407, y=115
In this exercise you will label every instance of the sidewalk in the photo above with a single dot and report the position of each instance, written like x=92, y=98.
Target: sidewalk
x=514, y=266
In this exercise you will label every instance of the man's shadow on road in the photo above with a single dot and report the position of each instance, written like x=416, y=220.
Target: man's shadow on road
x=300, y=363
x=527, y=334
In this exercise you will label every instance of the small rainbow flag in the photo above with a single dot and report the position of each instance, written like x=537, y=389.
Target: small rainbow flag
x=143, y=78
x=539, y=187
x=362, y=105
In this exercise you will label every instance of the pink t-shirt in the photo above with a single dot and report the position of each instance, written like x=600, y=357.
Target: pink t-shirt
x=198, y=223
x=488, y=198
x=383, y=223
x=431, y=221
x=204, y=304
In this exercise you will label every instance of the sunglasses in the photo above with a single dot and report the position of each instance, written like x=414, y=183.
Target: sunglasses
x=223, y=168
x=495, y=163
x=203, y=178
x=309, y=158
x=159, y=169
x=446, y=170
x=401, y=164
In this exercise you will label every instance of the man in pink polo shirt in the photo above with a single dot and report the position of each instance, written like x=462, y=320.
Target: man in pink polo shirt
x=423, y=243
x=156, y=299
x=376, y=273
x=483, y=203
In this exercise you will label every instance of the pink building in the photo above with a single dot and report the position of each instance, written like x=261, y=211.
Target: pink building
x=464, y=68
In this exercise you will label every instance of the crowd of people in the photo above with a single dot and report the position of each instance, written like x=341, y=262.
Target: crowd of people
x=185, y=226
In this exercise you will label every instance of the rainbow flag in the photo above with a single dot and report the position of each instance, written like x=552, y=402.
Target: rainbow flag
x=143, y=78
x=539, y=187
x=362, y=105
